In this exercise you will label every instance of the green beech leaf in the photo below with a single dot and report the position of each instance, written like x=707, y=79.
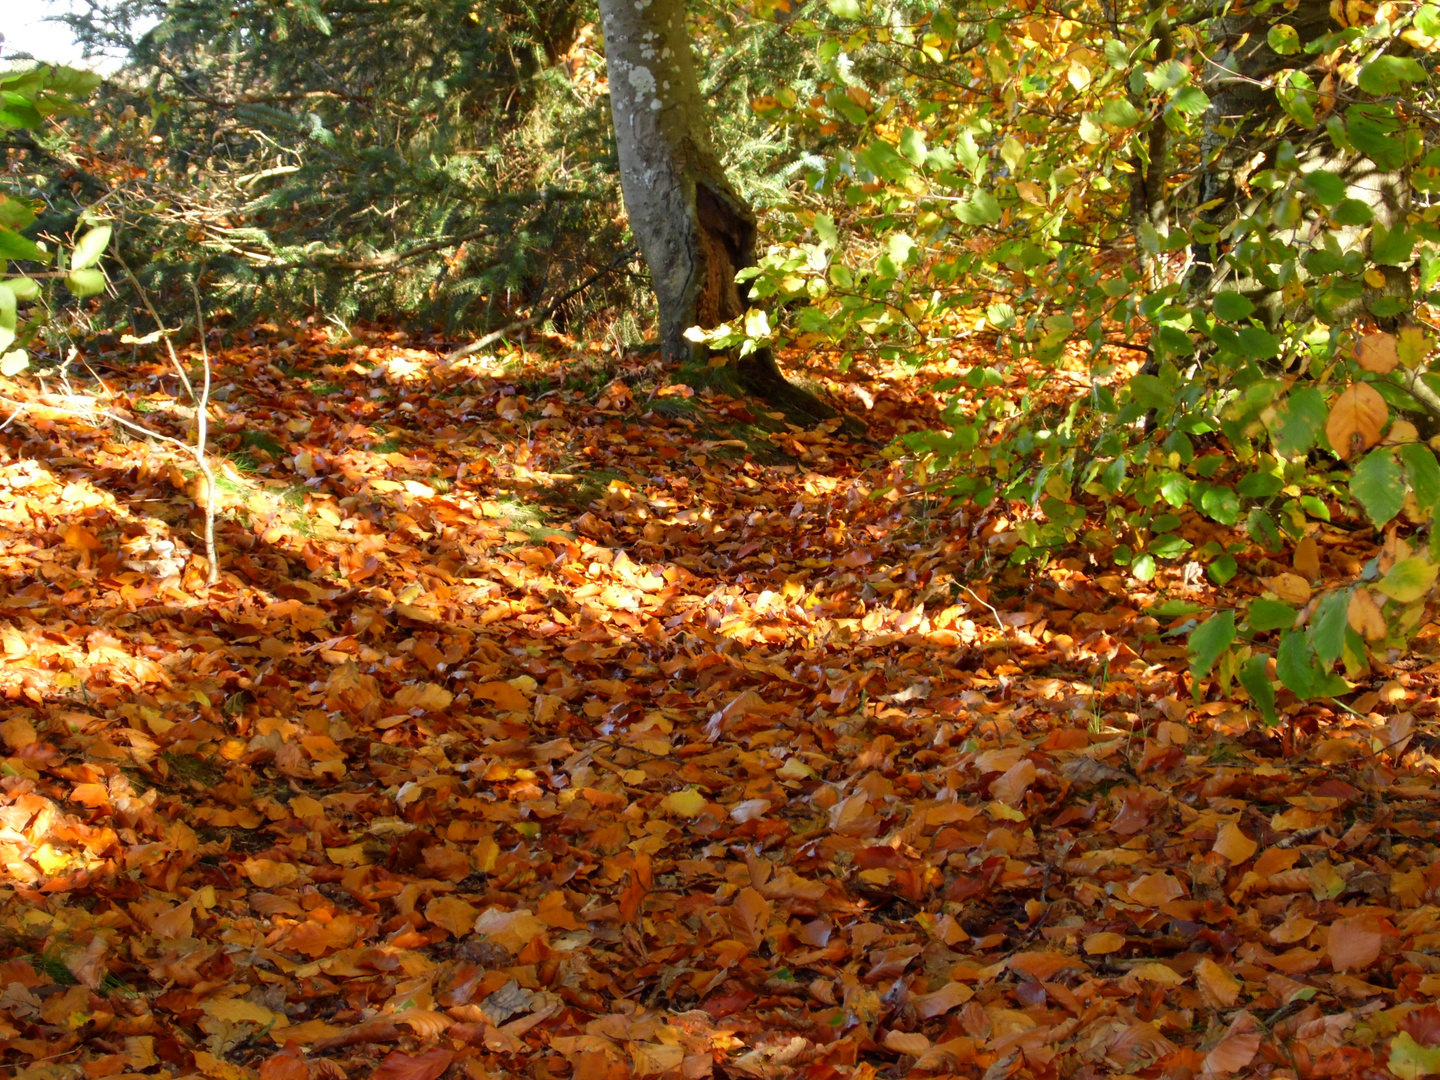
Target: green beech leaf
x=1232, y=307
x=1222, y=569
x=1301, y=417
x=15, y=246
x=85, y=282
x=18, y=111
x=1392, y=247
x=90, y=247
x=1324, y=187
x=1168, y=546
x=1295, y=664
x=1190, y=100
x=15, y=213
x=1409, y=579
x=1266, y=614
x=1389, y=74
x=1220, y=503
x=1327, y=625
x=1259, y=485
x=982, y=208
x=1378, y=486
x=1283, y=39
x=1256, y=681
x=1119, y=112
x=1208, y=640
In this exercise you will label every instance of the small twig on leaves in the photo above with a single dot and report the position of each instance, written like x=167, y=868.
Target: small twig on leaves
x=199, y=451
x=984, y=603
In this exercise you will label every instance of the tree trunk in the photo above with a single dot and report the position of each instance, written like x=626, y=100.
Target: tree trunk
x=693, y=228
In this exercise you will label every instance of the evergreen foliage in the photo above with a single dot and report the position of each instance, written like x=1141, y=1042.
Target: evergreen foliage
x=441, y=162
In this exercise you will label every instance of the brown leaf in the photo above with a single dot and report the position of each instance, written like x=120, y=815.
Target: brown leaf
x=401, y=1066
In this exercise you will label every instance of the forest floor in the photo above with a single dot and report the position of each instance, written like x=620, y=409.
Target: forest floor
x=541, y=725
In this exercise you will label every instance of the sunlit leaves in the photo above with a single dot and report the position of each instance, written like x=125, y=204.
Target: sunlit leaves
x=1356, y=419
x=1388, y=74
x=1208, y=640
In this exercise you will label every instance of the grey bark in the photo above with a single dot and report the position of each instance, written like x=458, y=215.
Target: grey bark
x=693, y=228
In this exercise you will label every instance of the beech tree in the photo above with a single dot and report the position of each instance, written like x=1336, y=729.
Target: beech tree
x=694, y=229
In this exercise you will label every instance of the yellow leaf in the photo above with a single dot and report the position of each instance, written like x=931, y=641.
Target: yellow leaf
x=270, y=873
x=1364, y=615
x=218, y=1068
x=240, y=1011
x=1292, y=588
x=350, y=855
x=688, y=803
x=1157, y=973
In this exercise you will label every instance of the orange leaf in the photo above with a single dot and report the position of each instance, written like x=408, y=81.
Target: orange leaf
x=1232, y=1054
x=950, y=996
x=1234, y=845
x=452, y=914
x=402, y=1066
x=1376, y=352
x=1217, y=984
x=1356, y=419
x=504, y=696
x=79, y=538
x=1155, y=889
x=1353, y=943
x=284, y=1066
x=1104, y=943
x=1011, y=787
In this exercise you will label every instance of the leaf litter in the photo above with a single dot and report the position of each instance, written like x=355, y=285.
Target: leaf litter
x=595, y=733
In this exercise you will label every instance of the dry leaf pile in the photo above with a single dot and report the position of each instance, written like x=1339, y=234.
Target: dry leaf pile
x=585, y=733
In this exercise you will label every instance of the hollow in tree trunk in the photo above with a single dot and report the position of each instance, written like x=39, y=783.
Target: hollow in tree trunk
x=693, y=228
